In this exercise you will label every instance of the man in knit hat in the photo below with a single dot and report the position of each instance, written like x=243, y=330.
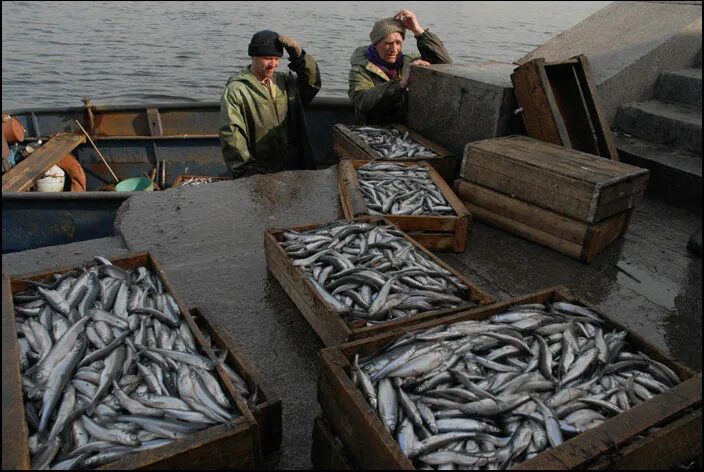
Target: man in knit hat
x=262, y=126
x=379, y=75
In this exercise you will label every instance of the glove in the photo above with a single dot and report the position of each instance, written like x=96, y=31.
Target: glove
x=292, y=48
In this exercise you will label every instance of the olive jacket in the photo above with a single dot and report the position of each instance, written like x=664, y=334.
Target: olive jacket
x=378, y=100
x=262, y=129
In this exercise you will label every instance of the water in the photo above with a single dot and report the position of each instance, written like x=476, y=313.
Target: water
x=54, y=53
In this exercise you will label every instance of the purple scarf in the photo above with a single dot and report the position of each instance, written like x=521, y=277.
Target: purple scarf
x=389, y=69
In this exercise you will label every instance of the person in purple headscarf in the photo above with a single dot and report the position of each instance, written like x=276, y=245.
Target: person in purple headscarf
x=379, y=75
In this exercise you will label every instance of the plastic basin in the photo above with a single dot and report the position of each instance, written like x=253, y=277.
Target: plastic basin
x=135, y=184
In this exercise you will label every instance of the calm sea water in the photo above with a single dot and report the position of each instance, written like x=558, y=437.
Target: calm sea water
x=54, y=53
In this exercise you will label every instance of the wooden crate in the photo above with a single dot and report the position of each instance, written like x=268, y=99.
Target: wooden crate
x=571, y=237
x=267, y=410
x=561, y=105
x=327, y=452
x=348, y=145
x=178, y=181
x=326, y=322
x=221, y=446
x=438, y=233
x=677, y=411
x=572, y=183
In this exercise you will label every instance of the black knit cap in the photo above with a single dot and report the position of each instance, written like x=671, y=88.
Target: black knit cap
x=265, y=43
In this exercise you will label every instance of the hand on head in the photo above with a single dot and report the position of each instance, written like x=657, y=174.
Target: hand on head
x=409, y=21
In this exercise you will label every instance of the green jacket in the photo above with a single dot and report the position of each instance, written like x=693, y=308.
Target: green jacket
x=378, y=100
x=265, y=132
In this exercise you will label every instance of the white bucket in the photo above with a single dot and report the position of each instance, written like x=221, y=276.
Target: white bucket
x=51, y=184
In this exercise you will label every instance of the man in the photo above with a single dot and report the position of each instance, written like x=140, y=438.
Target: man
x=262, y=126
x=379, y=75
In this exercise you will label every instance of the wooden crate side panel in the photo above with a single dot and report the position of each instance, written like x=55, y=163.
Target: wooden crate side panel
x=549, y=198
x=671, y=446
x=528, y=232
x=327, y=453
x=350, y=190
x=15, y=448
x=617, y=189
x=522, y=212
x=267, y=411
x=607, y=145
x=531, y=95
x=360, y=430
x=604, y=233
x=577, y=452
x=220, y=447
x=439, y=242
x=347, y=145
x=331, y=329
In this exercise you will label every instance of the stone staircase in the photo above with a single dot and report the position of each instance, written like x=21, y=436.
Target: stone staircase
x=664, y=134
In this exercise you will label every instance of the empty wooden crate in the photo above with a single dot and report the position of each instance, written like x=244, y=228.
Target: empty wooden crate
x=572, y=183
x=437, y=233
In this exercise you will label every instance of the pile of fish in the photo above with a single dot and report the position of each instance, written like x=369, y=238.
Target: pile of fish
x=193, y=181
x=491, y=394
x=372, y=273
x=392, y=143
x=392, y=189
x=110, y=368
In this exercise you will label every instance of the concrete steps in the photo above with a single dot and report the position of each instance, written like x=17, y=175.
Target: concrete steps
x=675, y=174
x=683, y=86
x=672, y=124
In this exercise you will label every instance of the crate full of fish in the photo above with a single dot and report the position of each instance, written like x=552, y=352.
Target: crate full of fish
x=393, y=143
x=542, y=381
x=356, y=278
x=103, y=366
x=411, y=195
x=195, y=180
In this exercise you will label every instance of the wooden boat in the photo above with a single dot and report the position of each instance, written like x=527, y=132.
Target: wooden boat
x=174, y=140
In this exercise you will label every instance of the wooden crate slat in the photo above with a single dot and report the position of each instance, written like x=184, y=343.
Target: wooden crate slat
x=267, y=411
x=222, y=446
x=22, y=176
x=326, y=451
x=366, y=439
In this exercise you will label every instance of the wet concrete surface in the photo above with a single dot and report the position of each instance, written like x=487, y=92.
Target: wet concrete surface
x=210, y=241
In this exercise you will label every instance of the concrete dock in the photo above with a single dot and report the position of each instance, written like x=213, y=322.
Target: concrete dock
x=210, y=241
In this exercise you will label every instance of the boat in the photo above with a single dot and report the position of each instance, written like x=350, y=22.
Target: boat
x=173, y=139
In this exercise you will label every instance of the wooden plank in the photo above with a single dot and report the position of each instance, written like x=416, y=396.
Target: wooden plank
x=324, y=320
x=525, y=231
x=577, y=452
x=522, y=212
x=670, y=446
x=154, y=119
x=607, y=144
x=327, y=452
x=267, y=410
x=22, y=176
x=366, y=439
x=538, y=110
x=15, y=451
x=231, y=446
x=350, y=190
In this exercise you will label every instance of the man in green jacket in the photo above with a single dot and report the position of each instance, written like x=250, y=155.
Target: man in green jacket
x=378, y=80
x=262, y=125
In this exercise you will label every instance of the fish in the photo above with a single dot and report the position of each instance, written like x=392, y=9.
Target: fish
x=391, y=143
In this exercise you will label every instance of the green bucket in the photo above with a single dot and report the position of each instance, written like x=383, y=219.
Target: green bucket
x=135, y=184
